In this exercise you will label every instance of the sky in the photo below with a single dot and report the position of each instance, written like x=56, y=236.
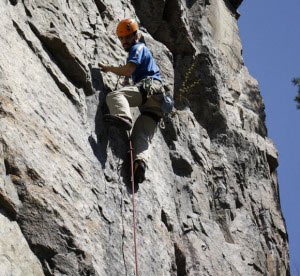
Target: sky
x=269, y=32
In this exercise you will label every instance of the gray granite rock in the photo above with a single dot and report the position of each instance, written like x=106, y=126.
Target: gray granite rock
x=210, y=203
x=16, y=258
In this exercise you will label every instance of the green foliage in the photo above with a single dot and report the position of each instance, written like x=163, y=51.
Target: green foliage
x=296, y=82
x=188, y=83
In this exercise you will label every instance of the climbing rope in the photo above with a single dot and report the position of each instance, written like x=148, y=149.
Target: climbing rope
x=133, y=205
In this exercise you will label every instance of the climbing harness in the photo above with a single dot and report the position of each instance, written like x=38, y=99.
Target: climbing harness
x=166, y=102
x=133, y=205
x=145, y=88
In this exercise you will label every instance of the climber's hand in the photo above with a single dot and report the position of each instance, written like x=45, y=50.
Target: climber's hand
x=104, y=68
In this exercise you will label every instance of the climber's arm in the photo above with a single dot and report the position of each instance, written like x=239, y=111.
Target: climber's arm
x=125, y=70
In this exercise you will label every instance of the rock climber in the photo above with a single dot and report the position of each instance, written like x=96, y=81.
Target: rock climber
x=146, y=93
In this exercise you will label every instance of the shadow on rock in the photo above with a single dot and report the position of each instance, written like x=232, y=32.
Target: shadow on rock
x=99, y=145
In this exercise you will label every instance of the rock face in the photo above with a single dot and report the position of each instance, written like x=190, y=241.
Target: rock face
x=16, y=258
x=210, y=203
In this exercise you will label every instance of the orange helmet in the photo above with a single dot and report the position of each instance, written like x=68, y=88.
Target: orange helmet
x=126, y=27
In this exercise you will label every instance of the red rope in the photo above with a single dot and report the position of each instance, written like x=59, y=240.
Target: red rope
x=133, y=204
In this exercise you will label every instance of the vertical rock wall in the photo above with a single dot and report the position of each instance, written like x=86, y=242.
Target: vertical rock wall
x=210, y=203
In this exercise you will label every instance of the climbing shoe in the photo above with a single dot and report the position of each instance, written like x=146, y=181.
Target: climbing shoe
x=118, y=121
x=139, y=171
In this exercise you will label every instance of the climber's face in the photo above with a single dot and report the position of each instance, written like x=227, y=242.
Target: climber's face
x=127, y=41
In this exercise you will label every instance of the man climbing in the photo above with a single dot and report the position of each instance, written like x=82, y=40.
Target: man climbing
x=146, y=93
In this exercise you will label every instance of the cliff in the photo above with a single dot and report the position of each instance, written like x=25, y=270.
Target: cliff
x=210, y=203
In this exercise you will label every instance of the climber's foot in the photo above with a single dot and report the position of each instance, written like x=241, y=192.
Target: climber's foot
x=139, y=171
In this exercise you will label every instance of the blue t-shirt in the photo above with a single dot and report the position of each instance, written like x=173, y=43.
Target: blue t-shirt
x=140, y=55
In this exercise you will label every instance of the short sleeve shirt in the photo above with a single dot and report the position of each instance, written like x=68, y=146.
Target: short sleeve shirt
x=140, y=55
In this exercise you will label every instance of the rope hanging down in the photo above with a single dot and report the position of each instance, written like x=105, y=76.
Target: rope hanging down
x=133, y=205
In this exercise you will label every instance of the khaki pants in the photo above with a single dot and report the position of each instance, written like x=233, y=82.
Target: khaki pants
x=119, y=103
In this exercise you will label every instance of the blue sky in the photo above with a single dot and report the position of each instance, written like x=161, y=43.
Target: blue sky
x=271, y=49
